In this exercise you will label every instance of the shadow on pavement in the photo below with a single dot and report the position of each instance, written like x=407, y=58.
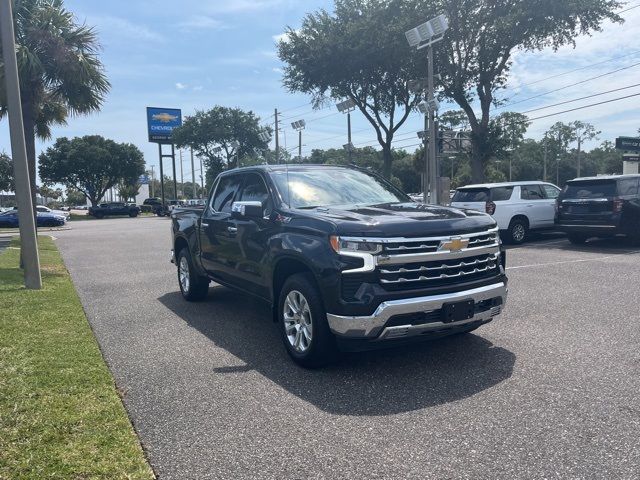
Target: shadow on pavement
x=383, y=382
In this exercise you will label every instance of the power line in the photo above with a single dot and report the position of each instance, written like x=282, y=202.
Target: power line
x=575, y=70
x=581, y=98
x=567, y=86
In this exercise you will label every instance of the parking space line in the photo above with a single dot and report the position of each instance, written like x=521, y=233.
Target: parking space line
x=582, y=260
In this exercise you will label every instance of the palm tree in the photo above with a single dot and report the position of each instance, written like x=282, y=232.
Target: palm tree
x=60, y=73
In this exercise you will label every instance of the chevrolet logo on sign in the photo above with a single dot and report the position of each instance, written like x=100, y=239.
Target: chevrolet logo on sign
x=455, y=244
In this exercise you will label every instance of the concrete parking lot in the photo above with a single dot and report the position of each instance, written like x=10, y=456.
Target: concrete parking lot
x=548, y=390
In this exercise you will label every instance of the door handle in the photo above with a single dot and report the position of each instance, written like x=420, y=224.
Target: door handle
x=232, y=230
x=204, y=224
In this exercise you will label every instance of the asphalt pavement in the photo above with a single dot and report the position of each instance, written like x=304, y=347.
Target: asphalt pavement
x=550, y=389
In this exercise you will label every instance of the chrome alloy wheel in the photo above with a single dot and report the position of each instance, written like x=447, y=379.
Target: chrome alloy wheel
x=297, y=321
x=519, y=232
x=183, y=274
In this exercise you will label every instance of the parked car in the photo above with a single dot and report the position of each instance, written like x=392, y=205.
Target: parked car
x=114, y=209
x=344, y=258
x=518, y=207
x=81, y=207
x=600, y=207
x=43, y=209
x=10, y=219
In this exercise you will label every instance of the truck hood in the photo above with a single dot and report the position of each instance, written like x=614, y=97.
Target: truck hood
x=403, y=220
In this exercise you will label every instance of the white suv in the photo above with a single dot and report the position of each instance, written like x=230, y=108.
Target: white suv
x=518, y=207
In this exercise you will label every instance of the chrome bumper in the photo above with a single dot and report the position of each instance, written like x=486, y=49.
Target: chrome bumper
x=373, y=327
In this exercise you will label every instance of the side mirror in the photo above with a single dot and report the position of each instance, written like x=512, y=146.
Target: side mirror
x=247, y=210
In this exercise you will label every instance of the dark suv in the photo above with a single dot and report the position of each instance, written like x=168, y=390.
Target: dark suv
x=600, y=207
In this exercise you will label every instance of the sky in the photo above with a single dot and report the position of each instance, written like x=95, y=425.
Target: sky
x=195, y=54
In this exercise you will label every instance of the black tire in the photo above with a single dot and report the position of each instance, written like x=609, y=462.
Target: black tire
x=577, y=238
x=321, y=349
x=99, y=216
x=518, y=231
x=196, y=287
x=133, y=214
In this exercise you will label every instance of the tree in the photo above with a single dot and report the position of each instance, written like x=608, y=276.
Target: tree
x=583, y=132
x=74, y=197
x=91, y=165
x=48, y=193
x=6, y=173
x=60, y=73
x=128, y=190
x=212, y=135
x=475, y=56
x=358, y=52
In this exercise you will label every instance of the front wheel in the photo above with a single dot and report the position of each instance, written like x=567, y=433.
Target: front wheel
x=303, y=323
x=192, y=286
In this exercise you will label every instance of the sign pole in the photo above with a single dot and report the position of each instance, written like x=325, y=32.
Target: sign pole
x=28, y=238
x=161, y=175
x=175, y=179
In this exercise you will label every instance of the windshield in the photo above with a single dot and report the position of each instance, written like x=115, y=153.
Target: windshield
x=591, y=189
x=325, y=187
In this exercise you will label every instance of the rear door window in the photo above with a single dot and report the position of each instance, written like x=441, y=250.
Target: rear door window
x=501, y=194
x=469, y=195
x=225, y=193
x=591, y=189
x=532, y=192
x=628, y=186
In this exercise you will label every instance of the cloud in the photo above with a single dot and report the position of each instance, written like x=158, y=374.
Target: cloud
x=241, y=6
x=201, y=22
x=117, y=27
x=282, y=37
x=277, y=70
x=181, y=86
x=198, y=88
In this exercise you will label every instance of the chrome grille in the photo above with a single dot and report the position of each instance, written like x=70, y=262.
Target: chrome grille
x=438, y=270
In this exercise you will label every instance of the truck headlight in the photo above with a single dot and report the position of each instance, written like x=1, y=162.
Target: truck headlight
x=345, y=246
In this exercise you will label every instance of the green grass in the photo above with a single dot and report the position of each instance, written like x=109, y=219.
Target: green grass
x=60, y=414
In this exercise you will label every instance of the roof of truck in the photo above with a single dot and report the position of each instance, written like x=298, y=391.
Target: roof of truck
x=505, y=184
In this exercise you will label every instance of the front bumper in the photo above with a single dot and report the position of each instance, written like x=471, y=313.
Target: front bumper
x=374, y=327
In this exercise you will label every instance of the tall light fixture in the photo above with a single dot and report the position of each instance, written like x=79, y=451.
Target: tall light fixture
x=425, y=36
x=299, y=126
x=236, y=147
x=347, y=107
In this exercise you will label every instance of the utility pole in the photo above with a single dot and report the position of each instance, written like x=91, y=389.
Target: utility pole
x=28, y=240
x=579, y=148
x=193, y=176
x=544, y=163
x=277, y=140
x=202, y=193
x=181, y=172
x=433, y=174
x=153, y=178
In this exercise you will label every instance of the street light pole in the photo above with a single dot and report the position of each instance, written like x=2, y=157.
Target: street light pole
x=299, y=126
x=433, y=177
x=347, y=106
x=425, y=36
x=28, y=239
x=153, y=178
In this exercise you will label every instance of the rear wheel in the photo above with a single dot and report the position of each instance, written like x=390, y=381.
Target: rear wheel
x=303, y=323
x=133, y=214
x=577, y=238
x=518, y=231
x=193, y=287
x=99, y=216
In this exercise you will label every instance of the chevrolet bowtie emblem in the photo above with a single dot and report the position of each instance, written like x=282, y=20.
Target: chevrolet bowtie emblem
x=456, y=244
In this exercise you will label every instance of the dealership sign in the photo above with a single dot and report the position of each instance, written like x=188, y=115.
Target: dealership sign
x=629, y=144
x=161, y=122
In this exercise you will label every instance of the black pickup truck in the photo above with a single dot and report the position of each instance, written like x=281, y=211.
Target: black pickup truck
x=114, y=209
x=346, y=260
